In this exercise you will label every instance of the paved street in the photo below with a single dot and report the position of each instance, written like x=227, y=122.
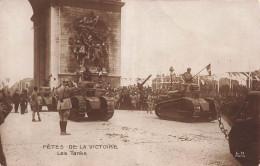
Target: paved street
x=128, y=139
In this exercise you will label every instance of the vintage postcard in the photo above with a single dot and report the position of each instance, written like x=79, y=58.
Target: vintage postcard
x=129, y=82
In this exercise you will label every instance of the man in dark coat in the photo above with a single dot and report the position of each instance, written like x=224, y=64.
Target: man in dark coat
x=26, y=100
x=16, y=100
x=23, y=101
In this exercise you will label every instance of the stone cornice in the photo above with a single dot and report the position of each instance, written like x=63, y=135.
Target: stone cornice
x=116, y=4
x=74, y=74
x=92, y=4
x=38, y=6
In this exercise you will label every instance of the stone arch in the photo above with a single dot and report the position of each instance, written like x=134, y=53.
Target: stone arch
x=52, y=35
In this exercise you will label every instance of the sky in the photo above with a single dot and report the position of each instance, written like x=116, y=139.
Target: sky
x=155, y=36
x=16, y=40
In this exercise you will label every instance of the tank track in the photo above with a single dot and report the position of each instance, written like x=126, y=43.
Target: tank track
x=183, y=118
x=80, y=106
x=180, y=119
x=101, y=115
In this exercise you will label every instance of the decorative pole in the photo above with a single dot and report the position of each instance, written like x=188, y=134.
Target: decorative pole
x=171, y=73
x=230, y=76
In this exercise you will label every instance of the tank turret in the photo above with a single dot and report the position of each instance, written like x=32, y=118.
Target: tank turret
x=90, y=98
x=90, y=89
x=183, y=90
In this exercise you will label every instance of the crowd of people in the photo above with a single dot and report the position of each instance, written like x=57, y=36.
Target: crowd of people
x=20, y=99
x=134, y=98
x=131, y=98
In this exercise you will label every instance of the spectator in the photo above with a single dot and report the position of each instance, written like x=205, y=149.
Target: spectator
x=16, y=100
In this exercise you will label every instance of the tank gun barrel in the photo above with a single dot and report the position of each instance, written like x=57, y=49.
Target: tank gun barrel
x=141, y=85
x=146, y=80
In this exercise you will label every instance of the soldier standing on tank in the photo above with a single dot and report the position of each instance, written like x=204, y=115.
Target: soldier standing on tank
x=187, y=77
x=87, y=75
x=64, y=105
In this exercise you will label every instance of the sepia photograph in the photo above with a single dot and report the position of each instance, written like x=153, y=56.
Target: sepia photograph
x=130, y=83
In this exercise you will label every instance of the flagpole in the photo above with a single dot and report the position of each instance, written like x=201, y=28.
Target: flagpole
x=199, y=72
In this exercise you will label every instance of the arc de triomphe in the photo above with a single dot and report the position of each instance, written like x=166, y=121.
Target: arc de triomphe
x=55, y=36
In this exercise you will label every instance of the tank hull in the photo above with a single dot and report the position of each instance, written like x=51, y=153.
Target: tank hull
x=50, y=102
x=96, y=108
x=47, y=99
x=187, y=109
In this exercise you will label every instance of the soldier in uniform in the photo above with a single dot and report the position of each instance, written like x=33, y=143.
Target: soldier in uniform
x=64, y=105
x=35, y=104
x=23, y=100
x=187, y=76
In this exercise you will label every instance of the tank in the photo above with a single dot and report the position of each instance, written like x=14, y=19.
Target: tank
x=185, y=104
x=90, y=98
x=46, y=98
x=243, y=116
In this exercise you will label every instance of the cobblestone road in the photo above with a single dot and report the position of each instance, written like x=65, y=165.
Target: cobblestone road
x=130, y=138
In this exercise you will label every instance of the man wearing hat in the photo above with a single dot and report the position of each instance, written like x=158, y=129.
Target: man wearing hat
x=187, y=77
x=64, y=105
